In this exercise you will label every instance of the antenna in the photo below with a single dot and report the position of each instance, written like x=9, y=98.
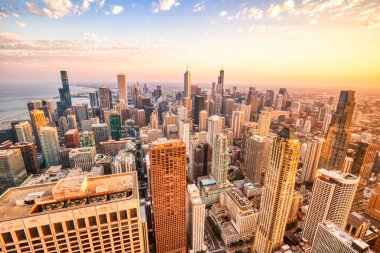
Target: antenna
x=187, y=66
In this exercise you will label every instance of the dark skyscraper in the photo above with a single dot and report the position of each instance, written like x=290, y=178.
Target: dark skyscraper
x=338, y=136
x=115, y=124
x=64, y=94
x=269, y=96
x=284, y=93
x=253, y=100
x=199, y=105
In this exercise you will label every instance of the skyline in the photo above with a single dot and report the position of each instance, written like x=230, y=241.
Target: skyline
x=331, y=43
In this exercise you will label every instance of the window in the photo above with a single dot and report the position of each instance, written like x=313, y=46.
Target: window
x=81, y=223
x=133, y=213
x=33, y=232
x=7, y=237
x=113, y=217
x=70, y=225
x=123, y=215
x=58, y=227
x=92, y=221
x=46, y=230
x=103, y=219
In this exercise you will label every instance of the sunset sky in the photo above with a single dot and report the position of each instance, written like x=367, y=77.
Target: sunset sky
x=326, y=43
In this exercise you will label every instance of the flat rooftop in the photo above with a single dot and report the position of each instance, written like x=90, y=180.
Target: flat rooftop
x=239, y=198
x=67, y=188
x=337, y=176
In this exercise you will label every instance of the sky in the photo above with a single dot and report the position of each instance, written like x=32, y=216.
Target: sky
x=292, y=43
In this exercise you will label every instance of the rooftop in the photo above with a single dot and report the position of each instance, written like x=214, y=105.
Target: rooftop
x=239, y=198
x=337, y=176
x=13, y=202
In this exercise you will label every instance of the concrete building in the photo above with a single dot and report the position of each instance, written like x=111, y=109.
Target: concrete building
x=80, y=214
x=220, y=158
x=122, y=86
x=87, y=139
x=72, y=139
x=196, y=215
x=332, y=196
x=50, y=145
x=72, y=122
x=12, y=168
x=373, y=206
x=105, y=98
x=330, y=238
x=364, y=160
x=237, y=123
x=202, y=121
x=140, y=118
x=257, y=156
x=112, y=147
x=357, y=226
x=215, y=126
x=83, y=158
x=24, y=132
x=278, y=192
x=168, y=187
x=123, y=162
x=310, y=159
x=184, y=132
x=29, y=154
x=100, y=132
x=296, y=201
x=264, y=123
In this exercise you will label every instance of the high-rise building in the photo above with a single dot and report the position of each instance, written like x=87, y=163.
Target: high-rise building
x=196, y=215
x=187, y=84
x=12, y=169
x=105, y=98
x=364, y=160
x=293, y=213
x=202, y=121
x=81, y=214
x=122, y=85
x=24, y=132
x=326, y=122
x=237, y=123
x=63, y=127
x=182, y=113
x=72, y=139
x=258, y=153
x=38, y=120
x=168, y=186
x=87, y=139
x=64, y=94
x=220, y=158
x=338, y=136
x=50, y=146
x=264, y=123
x=332, y=196
x=278, y=192
x=29, y=155
x=153, y=123
x=311, y=159
x=215, y=126
x=100, y=132
x=115, y=125
x=330, y=238
x=72, y=122
x=373, y=206
x=220, y=86
x=252, y=100
x=94, y=98
x=199, y=106
x=200, y=161
x=83, y=158
x=140, y=118
x=285, y=95
x=184, y=132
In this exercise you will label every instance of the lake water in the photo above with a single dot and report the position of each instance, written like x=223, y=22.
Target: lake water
x=14, y=98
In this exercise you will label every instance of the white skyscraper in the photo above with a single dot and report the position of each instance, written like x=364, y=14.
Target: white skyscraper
x=202, y=121
x=264, y=123
x=277, y=193
x=311, y=159
x=326, y=122
x=24, y=132
x=182, y=113
x=307, y=127
x=215, y=126
x=50, y=145
x=220, y=158
x=332, y=196
x=237, y=123
x=122, y=85
x=184, y=132
x=196, y=216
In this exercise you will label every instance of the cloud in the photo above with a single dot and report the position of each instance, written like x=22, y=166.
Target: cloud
x=53, y=8
x=288, y=6
x=116, y=9
x=223, y=13
x=250, y=13
x=274, y=10
x=313, y=22
x=21, y=24
x=164, y=5
x=86, y=4
x=32, y=8
x=9, y=38
x=16, y=15
x=3, y=13
x=199, y=7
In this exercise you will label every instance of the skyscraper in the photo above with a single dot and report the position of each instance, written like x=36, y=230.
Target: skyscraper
x=215, y=126
x=122, y=85
x=221, y=81
x=115, y=125
x=277, y=192
x=196, y=215
x=220, y=158
x=187, y=84
x=311, y=159
x=12, y=168
x=24, y=132
x=184, y=132
x=199, y=105
x=64, y=94
x=83, y=158
x=258, y=153
x=252, y=99
x=38, y=120
x=105, y=98
x=72, y=139
x=29, y=155
x=264, y=123
x=332, y=196
x=82, y=214
x=72, y=122
x=237, y=123
x=168, y=187
x=364, y=160
x=100, y=132
x=338, y=136
x=202, y=121
x=94, y=98
x=50, y=145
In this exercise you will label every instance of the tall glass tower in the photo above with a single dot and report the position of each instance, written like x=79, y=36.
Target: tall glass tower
x=64, y=94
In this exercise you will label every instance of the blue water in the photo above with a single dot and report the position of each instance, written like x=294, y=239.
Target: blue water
x=14, y=98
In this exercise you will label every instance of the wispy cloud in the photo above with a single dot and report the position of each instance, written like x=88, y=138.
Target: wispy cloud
x=3, y=13
x=250, y=13
x=21, y=24
x=199, y=7
x=274, y=10
x=164, y=5
x=53, y=8
x=223, y=13
x=116, y=9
